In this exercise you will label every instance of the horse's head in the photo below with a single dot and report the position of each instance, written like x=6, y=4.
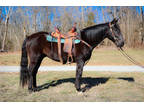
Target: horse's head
x=115, y=34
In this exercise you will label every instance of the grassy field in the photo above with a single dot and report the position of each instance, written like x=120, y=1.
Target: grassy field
x=59, y=86
x=100, y=56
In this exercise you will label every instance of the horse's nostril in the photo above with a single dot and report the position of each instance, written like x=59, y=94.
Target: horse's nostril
x=122, y=44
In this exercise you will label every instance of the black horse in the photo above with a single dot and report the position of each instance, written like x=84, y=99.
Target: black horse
x=36, y=47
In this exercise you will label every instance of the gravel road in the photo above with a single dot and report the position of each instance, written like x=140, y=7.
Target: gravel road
x=73, y=68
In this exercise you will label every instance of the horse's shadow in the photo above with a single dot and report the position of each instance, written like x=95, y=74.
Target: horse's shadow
x=88, y=81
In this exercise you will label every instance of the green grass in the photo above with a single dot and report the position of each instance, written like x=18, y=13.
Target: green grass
x=100, y=56
x=59, y=86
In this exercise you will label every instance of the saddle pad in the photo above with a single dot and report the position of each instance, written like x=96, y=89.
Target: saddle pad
x=53, y=39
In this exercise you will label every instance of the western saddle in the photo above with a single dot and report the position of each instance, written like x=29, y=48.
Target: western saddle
x=68, y=44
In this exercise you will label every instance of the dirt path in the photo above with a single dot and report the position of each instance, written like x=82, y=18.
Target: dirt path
x=73, y=68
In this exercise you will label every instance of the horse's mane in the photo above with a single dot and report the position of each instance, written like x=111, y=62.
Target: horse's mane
x=94, y=32
x=94, y=26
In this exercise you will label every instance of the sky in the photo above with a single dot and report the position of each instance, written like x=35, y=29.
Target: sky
x=98, y=8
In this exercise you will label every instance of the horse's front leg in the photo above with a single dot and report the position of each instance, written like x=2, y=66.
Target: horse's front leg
x=79, y=70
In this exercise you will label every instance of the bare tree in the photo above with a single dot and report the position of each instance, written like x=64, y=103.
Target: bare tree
x=90, y=19
x=8, y=12
x=82, y=16
x=18, y=22
x=141, y=32
x=35, y=12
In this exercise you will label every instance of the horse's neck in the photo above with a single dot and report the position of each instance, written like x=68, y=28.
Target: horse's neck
x=95, y=38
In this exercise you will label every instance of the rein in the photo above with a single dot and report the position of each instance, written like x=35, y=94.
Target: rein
x=130, y=58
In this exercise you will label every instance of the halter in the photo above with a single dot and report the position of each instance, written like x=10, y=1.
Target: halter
x=110, y=26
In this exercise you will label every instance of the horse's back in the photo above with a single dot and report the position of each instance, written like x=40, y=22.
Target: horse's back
x=38, y=34
x=37, y=41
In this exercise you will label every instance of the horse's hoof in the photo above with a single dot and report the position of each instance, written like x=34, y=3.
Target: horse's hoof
x=78, y=89
x=68, y=62
x=35, y=89
x=30, y=91
x=83, y=89
x=80, y=93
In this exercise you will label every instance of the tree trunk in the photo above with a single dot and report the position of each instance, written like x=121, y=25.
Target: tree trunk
x=103, y=15
x=142, y=25
x=82, y=15
x=6, y=29
x=24, y=30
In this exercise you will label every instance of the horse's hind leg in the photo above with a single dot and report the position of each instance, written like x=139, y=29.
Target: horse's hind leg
x=35, y=62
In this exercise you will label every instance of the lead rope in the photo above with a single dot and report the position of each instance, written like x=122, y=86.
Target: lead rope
x=124, y=53
x=134, y=62
x=129, y=58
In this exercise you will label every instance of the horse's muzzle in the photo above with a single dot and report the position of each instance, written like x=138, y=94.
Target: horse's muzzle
x=120, y=44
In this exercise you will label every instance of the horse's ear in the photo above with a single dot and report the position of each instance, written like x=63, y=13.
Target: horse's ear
x=115, y=20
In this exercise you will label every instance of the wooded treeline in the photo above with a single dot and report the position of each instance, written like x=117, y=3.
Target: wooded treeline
x=18, y=22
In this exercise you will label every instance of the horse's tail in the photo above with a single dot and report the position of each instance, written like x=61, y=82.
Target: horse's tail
x=24, y=75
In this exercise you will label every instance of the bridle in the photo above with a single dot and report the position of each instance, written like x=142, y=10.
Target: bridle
x=113, y=35
x=110, y=26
